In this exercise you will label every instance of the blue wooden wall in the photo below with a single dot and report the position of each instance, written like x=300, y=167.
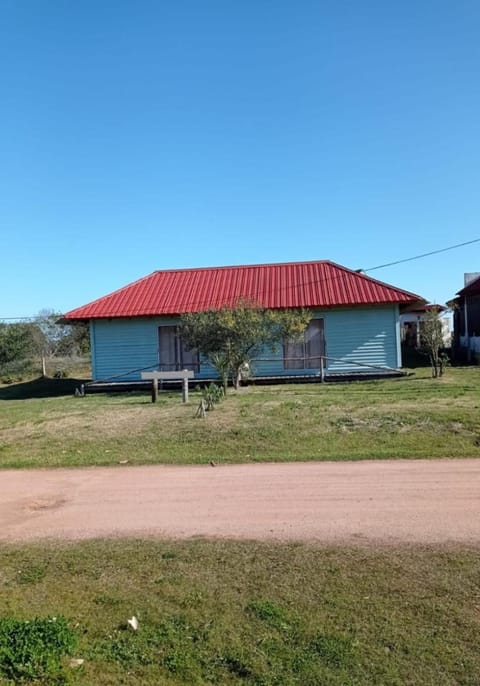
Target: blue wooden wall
x=362, y=335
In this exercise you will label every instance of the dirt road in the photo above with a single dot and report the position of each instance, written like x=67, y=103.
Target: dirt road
x=380, y=501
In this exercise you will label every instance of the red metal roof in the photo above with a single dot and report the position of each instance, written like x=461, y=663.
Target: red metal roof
x=294, y=284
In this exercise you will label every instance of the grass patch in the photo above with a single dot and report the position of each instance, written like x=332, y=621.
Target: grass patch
x=257, y=614
x=400, y=418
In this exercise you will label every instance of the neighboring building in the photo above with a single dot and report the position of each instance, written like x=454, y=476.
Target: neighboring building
x=355, y=325
x=466, y=317
x=411, y=325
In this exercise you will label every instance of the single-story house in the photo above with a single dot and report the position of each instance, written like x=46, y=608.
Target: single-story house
x=355, y=323
x=466, y=317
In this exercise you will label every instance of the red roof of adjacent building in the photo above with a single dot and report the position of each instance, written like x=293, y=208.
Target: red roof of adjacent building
x=427, y=308
x=472, y=288
x=294, y=284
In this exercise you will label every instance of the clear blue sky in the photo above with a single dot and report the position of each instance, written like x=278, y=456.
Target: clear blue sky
x=149, y=135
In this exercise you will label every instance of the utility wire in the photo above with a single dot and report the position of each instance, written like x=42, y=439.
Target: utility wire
x=17, y=319
x=425, y=254
x=297, y=285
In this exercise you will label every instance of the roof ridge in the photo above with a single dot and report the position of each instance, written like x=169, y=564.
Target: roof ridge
x=240, y=266
x=364, y=275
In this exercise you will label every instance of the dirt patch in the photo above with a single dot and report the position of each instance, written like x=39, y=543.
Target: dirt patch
x=46, y=503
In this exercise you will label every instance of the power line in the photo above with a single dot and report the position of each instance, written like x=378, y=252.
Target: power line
x=261, y=294
x=426, y=254
x=29, y=320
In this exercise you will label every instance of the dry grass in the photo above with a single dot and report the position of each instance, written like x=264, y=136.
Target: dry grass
x=411, y=417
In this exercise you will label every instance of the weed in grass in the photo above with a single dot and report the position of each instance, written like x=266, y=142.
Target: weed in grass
x=106, y=600
x=31, y=574
x=334, y=651
x=33, y=650
x=269, y=612
x=236, y=665
x=125, y=648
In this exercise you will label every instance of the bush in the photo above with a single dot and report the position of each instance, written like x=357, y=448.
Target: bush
x=212, y=394
x=60, y=374
x=33, y=650
x=18, y=370
x=8, y=379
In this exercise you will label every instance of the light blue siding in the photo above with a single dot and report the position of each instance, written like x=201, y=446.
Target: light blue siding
x=354, y=337
x=361, y=336
x=269, y=363
x=398, y=336
x=120, y=346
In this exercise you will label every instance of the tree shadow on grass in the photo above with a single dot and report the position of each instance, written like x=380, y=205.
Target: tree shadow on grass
x=40, y=388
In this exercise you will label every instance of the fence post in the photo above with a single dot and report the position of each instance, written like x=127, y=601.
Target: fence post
x=322, y=369
x=154, y=390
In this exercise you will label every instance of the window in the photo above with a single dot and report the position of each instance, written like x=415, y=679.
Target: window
x=173, y=354
x=306, y=353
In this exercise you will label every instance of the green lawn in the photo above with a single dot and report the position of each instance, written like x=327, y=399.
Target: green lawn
x=250, y=613
x=409, y=417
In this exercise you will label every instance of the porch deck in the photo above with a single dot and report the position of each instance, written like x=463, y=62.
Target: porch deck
x=129, y=386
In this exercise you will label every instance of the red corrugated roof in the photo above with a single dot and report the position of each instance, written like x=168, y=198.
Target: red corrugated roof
x=293, y=284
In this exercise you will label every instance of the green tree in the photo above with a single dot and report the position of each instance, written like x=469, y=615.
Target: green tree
x=231, y=337
x=431, y=341
x=18, y=341
x=76, y=340
x=62, y=339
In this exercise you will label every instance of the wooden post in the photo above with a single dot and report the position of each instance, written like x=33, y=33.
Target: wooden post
x=185, y=389
x=157, y=377
x=154, y=389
